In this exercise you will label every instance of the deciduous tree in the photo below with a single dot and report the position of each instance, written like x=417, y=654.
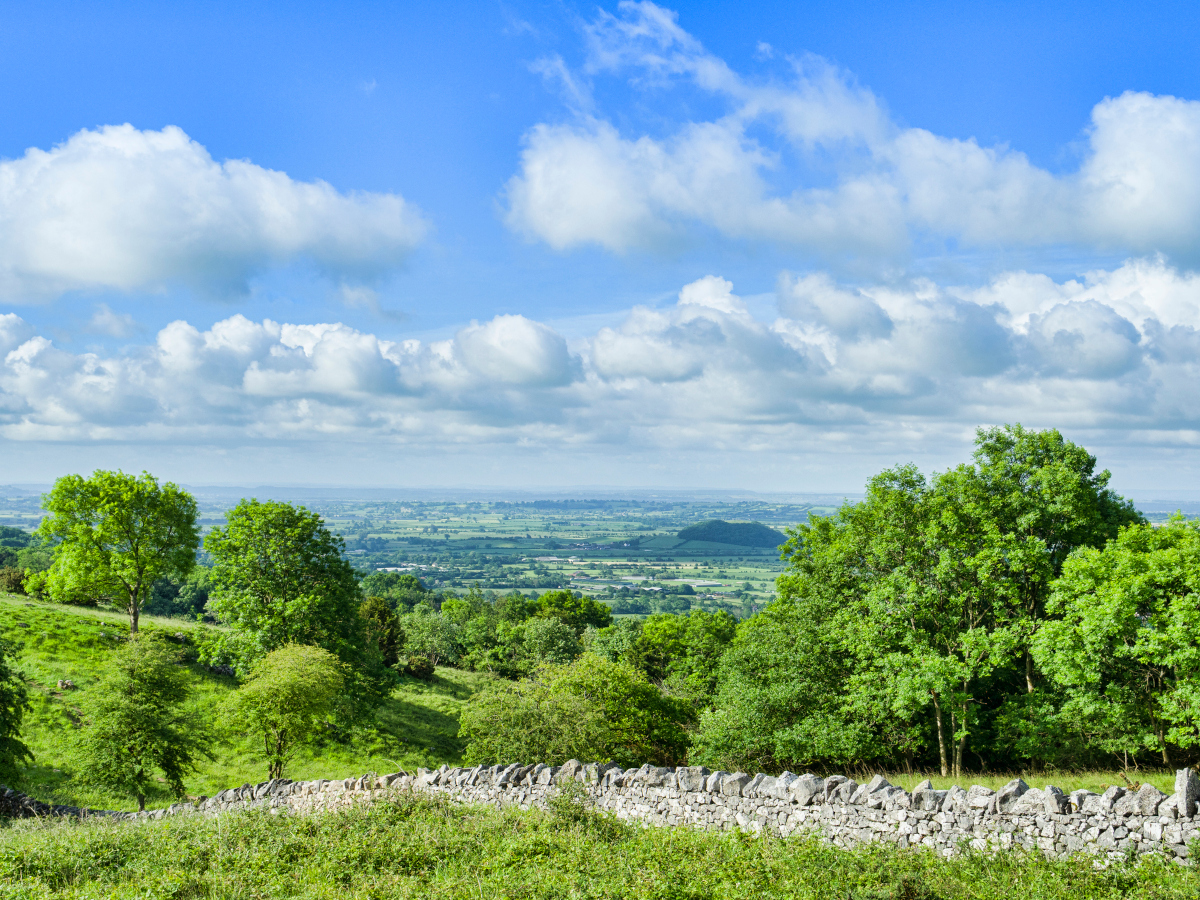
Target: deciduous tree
x=115, y=535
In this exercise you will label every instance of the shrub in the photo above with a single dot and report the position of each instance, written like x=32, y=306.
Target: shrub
x=590, y=709
x=419, y=666
x=12, y=580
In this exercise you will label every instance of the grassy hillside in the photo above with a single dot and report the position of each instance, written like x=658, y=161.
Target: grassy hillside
x=421, y=848
x=417, y=726
x=738, y=534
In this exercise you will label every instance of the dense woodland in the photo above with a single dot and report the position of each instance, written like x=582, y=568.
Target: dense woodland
x=1010, y=613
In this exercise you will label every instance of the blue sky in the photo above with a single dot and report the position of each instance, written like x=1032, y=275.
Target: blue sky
x=764, y=246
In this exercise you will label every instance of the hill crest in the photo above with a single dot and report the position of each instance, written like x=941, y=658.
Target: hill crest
x=739, y=534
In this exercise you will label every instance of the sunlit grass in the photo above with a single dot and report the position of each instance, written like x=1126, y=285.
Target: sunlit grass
x=417, y=726
x=422, y=848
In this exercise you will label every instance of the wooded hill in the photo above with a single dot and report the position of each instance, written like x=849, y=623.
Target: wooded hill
x=739, y=534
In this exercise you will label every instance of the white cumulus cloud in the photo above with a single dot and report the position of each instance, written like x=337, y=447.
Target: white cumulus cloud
x=762, y=170
x=122, y=209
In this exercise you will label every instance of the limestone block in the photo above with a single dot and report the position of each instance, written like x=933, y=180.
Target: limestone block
x=1007, y=796
x=805, y=788
x=1032, y=801
x=1056, y=802
x=831, y=785
x=691, y=778
x=1187, y=793
x=979, y=797
x=843, y=791
x=731, y=785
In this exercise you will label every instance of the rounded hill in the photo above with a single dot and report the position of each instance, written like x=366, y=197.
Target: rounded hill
x=739, y=534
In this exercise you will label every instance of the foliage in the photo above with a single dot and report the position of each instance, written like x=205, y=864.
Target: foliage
x=12, y=580
x=402, y=590
x=290, y=694
x=906, y=619
x=421, y=667
x=417, y=725
x=280, y=578
x=1126, y=650
x=15, y=538
x=185, y=598
x=115, y=535
x=413, y=846
x=589, y=709
x=383, y=629
x=428, y=633
x=739, y=534
x=135, y=723
x=14, y=703
x=577, y=611
x=549, y=640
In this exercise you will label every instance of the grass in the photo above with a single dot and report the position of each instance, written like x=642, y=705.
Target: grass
x=417, y=726
x=412, y=847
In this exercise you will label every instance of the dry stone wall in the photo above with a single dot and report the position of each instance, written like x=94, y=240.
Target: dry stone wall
x=1114, y=824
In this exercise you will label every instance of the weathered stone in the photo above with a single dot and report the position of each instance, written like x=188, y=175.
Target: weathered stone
x=1032, y=801
x=731, y=785
x=691, y=778
x=1007, y=796
x=713, y=784
x=1187, y=792
x=832, y=783
x=979, y=797
x=1056, y=802
x=1149, y=798
x=805, y=788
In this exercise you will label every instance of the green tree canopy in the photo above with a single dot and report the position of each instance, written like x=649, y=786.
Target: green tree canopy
x=136, y=723
x=578, y=612
x=1125, y=644
x=591, y=709
x=115, y=535
x=289, y=694
x=279, y=578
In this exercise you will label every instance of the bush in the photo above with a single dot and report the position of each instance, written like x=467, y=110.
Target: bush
x=12, y=580
x=590, y=709
x=419, y=666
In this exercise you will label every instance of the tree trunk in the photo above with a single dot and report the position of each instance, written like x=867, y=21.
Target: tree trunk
x=1162, y=742
x=134, y=609
x=1028, y=672
x=141, y=802
x=937, y=715
x=960, y=748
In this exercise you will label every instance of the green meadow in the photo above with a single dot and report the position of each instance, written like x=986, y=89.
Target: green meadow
x=417, y=726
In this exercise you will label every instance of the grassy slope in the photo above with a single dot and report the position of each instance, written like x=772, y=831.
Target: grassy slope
x=419, y=848
x=417, y=726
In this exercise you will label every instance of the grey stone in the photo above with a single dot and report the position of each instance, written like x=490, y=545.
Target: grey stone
x=1187, y=792
x=832, y=783
x=691, y=778
x=571, y=769
x=979, y=797
x=731, y=785
x=781, y=790
x=1007, y=796
x=1030, y=802
x=844, y=791
x=1056, y=802
x=713, y=784
x=1149, y=798
x=805, y=788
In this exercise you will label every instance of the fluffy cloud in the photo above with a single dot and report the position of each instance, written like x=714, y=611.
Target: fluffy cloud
x=761, y=171
x=1115, y=350
x=118, y=208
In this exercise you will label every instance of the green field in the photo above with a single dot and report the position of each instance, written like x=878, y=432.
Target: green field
x=413, y=847
x=417, y=726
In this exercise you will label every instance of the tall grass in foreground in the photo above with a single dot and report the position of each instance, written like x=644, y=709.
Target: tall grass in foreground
x=413, y=847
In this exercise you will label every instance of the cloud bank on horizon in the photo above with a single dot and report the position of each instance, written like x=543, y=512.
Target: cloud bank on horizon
x=814, y=163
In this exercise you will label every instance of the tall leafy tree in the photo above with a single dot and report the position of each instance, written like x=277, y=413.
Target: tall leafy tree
x=1045, y=495
x=115, y=535
x=280, y=577
x=1125, y=644
x=136, y=724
